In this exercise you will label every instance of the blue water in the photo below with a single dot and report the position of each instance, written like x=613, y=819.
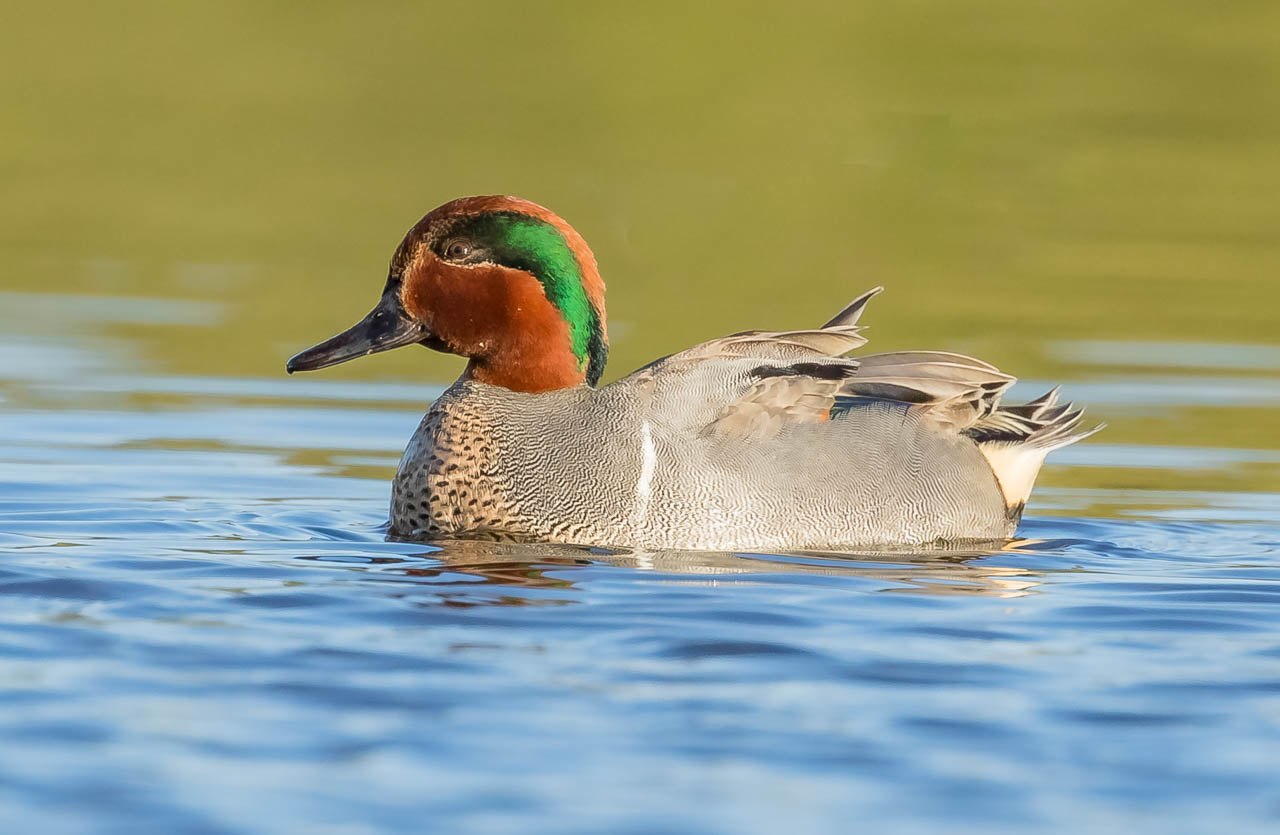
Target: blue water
x=202, y=629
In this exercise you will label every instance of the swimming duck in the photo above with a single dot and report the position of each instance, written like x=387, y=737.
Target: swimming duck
x=758, y=440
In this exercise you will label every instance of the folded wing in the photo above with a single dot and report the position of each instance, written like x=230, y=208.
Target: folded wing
x=769, y=381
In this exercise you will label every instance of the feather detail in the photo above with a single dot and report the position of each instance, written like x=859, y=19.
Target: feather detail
x=1016, y=439
x=804, y=376
x=836, y=338
x=853, y=310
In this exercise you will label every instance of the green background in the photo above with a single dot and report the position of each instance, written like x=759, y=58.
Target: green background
x=1017, y=174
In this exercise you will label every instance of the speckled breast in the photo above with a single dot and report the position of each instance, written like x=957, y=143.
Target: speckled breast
x=449, y=481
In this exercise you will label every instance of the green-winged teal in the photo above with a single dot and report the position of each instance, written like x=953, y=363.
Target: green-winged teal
x=759, y=440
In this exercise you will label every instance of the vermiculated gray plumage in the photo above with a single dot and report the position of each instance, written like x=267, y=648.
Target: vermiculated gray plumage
x=759, y=440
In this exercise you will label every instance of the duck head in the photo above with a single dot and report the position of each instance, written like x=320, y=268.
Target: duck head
x=499, y=280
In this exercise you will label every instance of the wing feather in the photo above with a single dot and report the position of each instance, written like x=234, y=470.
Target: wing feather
x=768, y=380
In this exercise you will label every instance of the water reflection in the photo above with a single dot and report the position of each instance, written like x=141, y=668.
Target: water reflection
x=958, y=570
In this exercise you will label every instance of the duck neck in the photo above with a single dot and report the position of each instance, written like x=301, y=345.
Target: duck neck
x=535, y=354
x=502, y=321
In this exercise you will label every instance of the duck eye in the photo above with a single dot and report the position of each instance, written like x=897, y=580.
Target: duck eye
x=457, y=250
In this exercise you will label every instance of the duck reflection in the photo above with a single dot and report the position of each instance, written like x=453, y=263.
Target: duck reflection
x=944, y=570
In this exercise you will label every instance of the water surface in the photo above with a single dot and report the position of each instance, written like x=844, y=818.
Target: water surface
x=204, y=630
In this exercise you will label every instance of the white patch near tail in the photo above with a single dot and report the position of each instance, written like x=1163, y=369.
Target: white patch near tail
x=1016, y=466
x=1016, y=439
x=1017, y=463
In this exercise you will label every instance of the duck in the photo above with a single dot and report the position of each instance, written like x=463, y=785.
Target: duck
x=757, y=441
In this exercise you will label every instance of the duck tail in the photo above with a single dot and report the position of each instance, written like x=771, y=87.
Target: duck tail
x=1016, y=439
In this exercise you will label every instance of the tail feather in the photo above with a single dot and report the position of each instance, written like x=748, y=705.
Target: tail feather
x=1016, y=439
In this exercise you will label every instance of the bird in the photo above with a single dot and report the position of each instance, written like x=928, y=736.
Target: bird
x=760, y=440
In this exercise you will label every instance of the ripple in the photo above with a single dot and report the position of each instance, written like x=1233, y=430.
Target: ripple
x=227, y=620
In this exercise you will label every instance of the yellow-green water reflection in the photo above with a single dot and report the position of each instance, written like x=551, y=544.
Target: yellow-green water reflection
x=1018, y=175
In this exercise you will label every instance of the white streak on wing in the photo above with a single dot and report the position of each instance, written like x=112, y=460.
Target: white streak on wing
x=648, y=463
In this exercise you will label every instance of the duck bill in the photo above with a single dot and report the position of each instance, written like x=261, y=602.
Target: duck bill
x=387, y=326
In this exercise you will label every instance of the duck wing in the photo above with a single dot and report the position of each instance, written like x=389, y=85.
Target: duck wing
x=752, y=386
x=952, y=390
x=834, y=339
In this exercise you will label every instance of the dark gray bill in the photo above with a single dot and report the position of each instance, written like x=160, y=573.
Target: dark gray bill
x=387, y=326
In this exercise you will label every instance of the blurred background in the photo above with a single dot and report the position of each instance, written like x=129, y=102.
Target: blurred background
x=1014, y=173
x=217, y=186
x=203, y=629
x=1056, y=188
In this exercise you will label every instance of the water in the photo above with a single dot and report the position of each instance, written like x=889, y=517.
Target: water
x=204, y=630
